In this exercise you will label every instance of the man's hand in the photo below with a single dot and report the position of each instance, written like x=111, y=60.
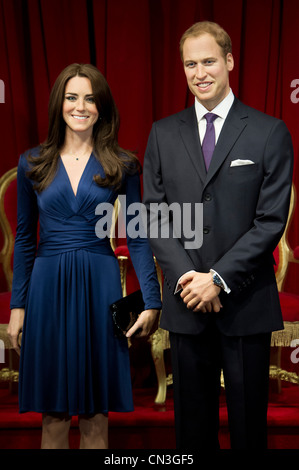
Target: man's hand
x=199, y=292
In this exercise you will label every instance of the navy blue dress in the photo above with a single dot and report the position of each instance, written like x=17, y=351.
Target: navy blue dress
x=70, y=360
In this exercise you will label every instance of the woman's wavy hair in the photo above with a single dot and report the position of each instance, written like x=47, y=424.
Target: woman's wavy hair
x=112, y=157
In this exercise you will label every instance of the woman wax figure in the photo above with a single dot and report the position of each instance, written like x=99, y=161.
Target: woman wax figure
x=71, y=363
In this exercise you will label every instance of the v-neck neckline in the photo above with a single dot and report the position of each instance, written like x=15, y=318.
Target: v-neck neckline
x=81, y=177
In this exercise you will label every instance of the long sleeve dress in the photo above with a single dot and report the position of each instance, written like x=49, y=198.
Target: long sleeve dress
x=70, y=359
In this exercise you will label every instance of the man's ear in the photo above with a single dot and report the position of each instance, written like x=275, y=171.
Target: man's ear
x=230, y=62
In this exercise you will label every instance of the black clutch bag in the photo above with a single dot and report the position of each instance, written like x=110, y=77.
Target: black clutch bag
x=125, y=312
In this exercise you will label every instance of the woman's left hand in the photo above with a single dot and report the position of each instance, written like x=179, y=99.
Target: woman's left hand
x=145, y=325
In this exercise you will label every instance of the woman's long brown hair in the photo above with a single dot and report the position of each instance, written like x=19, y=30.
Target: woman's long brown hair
x=112, y=157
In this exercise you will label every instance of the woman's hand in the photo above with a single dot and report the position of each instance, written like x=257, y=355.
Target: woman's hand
x=146, y=323
x=15, y=327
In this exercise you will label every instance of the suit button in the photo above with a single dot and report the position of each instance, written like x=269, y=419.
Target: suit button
x=206, y=230
x=207, y=197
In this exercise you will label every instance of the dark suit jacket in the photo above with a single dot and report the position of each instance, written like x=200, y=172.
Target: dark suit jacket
x=245, y=209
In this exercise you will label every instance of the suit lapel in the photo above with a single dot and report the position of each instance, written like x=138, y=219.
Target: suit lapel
x=234, y=125
x=190, y=137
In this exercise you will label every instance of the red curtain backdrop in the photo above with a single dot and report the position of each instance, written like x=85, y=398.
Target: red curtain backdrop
x=135, y=45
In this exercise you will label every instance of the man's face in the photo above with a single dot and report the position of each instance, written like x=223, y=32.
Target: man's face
x=207, y=71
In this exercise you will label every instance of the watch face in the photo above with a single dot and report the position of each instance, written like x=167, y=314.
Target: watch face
x=217, y=280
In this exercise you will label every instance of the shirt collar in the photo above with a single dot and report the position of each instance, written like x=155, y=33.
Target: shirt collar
x=222, y=109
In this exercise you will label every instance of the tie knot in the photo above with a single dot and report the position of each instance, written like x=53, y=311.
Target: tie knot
x=210, y=117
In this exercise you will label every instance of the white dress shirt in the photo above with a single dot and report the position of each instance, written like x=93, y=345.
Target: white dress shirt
x=222, y=110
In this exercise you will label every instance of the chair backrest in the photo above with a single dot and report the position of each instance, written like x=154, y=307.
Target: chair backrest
x=8, y=221
x=118, y=228
x=284, y=253
x=115, y=216
x=128, y=276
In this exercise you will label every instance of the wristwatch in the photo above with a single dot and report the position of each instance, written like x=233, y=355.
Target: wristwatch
x=217, y=281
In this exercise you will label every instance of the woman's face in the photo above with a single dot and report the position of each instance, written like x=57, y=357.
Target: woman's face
x=79, y=110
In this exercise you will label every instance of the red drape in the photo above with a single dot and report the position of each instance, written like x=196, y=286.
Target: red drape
x=135, y=44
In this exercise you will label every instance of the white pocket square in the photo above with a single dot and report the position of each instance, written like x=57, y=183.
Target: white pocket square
x=241, y=162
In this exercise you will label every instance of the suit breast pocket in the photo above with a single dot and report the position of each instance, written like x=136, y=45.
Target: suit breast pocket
x=241, y=170
x=243, y=183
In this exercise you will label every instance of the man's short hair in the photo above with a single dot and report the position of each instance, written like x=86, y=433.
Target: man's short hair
x=203, y=27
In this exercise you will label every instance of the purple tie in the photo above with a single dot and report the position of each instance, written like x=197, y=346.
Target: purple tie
x=208, y=143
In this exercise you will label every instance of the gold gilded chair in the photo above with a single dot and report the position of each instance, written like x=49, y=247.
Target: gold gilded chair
x=159, y=340
x=8, y=223
x=289, y=303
